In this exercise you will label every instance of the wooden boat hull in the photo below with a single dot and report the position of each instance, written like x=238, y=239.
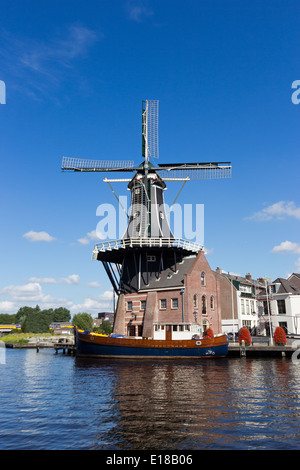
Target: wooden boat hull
x=94, y=345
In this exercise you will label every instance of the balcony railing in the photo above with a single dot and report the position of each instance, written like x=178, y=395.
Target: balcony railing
x=146, y=242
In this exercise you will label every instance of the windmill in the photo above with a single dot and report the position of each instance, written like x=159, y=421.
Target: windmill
x=148, y=245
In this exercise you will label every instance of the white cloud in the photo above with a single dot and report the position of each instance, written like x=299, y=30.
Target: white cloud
x=94, y=305
x=138, y=10
x=31, y=291
x=94, y=284
x=8, y=306
x=14, y=297
x=38, y=236
x=287, y=246
x=279, y=210
x=45, y=64
x=94, y=235
x=72, y=279
x=43, y=280
x=29, y=294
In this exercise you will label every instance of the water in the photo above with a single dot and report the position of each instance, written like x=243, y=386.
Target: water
x=60, y=402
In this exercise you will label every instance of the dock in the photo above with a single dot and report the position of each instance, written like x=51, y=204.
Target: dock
x=66, y=345
x=261, y=350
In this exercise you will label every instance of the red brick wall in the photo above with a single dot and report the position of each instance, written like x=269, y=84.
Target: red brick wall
x=192, y=283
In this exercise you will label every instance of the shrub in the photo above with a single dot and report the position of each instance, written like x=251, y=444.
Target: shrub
x=244, y=335
x=279, y=335
x=208, y=333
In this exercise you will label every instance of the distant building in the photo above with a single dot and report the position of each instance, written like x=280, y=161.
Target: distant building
x=62, y=328
x=101, y=317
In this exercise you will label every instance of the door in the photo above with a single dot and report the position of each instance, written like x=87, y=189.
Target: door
x=131, y=330
x=168, y=332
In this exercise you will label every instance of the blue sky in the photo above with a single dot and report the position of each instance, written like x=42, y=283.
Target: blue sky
x=75, y=75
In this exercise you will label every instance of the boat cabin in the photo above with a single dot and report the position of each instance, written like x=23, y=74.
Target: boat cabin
x=169, y=331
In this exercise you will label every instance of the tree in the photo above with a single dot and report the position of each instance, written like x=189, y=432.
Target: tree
x=83, y=321
x=61, y=314
x=7, y=318
x=35, y=320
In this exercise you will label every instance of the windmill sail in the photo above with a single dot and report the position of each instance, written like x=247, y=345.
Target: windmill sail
x=150, y=129
x=195, y=171
x=80, y=164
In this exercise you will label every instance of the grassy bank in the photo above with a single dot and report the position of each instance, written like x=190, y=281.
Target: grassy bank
x=23, y=338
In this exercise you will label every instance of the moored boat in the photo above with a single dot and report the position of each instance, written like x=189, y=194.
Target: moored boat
x=96, y=345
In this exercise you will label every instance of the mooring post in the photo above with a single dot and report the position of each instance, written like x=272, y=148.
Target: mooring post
x=242, y=349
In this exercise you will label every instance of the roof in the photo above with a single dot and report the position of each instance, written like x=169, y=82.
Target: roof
x=286, y=287
x=169, y=278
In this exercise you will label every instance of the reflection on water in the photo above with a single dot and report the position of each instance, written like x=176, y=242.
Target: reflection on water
x=211, y=404
x=58, y=402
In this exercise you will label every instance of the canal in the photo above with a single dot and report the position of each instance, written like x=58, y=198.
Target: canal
x=62, y=402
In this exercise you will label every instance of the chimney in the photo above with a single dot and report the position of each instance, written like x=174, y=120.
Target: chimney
x=248, y=277
x=219, y=271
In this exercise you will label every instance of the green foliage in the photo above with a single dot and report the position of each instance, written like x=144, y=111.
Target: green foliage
x=7, y=319
x=35, y=320
x=83, y=321
x=105, y=328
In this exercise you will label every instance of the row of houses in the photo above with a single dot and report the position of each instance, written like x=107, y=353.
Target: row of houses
x=259, y=304
x=191, y=292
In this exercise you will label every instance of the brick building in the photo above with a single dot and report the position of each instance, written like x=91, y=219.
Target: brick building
x=183, y=295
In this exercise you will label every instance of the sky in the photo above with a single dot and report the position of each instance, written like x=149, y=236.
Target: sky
x=73, y=75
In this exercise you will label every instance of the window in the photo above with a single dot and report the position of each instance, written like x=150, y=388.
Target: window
x=143, y=304
x=163, y=303
x=195, y=301
x=267, y=307
x=246, y=289
x=247, y=307
x=203, y=301
x=174, y=303
x=202, y=279
x=243, y=306
x=140, y=330
x=281, y=306
x=212, y=302
x=283, y=325
x=129, y=305
x=151, y=258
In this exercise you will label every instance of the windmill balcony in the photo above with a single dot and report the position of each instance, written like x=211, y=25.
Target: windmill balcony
x=146, y=242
